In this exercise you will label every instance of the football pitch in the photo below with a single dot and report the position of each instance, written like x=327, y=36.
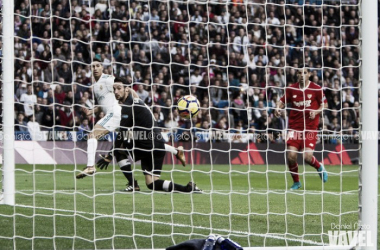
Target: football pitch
x=251, y=204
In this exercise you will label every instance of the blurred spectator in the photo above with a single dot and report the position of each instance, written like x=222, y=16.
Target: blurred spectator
x=160, y=123
x=34, y=129
x=59, y=94
x=238, y=109
x=348, y=97
x=29, y=100
x=50, y=73
x=216, y=92
x=59, y=58
x=334, y=125
x=65, y=73
x=84, y=126
x=66, y=117
x=196, y=78
x=20, y=123
x=21, y=90
x=142, y=93
x=43, y=93
x=39, y=112
x=170, y=124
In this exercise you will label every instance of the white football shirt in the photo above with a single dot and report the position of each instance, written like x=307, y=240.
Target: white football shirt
x=103, y=90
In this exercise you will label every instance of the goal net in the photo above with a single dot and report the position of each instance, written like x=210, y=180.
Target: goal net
x=237, y=57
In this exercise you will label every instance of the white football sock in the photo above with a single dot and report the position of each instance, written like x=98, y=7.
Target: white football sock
x=166, y=186
x=92, y=145
x=170, y=149
x=122, y=163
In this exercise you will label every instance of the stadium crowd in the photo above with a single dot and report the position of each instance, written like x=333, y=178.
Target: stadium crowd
x=235, y=56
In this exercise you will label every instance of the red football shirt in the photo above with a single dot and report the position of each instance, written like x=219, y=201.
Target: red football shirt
x=301, y=102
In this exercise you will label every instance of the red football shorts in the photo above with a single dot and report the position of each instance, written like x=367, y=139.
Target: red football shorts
x=301, y=139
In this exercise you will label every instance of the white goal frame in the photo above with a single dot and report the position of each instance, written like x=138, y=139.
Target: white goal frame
x=368, y=179
x=8, y=181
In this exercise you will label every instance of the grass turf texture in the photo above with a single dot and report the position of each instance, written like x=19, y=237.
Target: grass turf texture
x=251, y=204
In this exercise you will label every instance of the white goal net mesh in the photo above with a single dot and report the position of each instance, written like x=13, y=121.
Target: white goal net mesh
x=237, y=57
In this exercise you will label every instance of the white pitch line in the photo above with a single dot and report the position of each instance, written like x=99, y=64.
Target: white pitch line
x=282, y=191
x=214, y=191
x=23, y=172
x=60, y=190
x=273, y=236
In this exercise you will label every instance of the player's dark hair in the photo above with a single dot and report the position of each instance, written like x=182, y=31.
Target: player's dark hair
x=122, y=80
x=96, y=60
x=307, y=67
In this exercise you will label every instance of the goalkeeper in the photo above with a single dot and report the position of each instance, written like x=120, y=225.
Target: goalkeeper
x=140, y=137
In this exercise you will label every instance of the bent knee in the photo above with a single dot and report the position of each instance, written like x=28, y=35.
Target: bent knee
x=91, y=135
x=150, y=185
x=292, y=158
x=308, y=157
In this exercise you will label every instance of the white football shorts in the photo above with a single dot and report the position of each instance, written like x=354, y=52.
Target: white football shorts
x=110, y=121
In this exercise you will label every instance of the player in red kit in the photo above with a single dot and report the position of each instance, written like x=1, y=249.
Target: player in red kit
x=306, y=100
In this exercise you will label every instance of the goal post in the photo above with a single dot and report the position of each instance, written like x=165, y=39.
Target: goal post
x=368, y=186
x=8, y=164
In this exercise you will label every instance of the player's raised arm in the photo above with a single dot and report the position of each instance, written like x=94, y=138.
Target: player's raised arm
x=88, y=112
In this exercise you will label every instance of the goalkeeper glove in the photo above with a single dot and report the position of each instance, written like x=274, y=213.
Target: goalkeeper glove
x=104, y=161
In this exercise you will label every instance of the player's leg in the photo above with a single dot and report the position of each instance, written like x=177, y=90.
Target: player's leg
x=152, y=166
x=178, y=152
x=309, y=158
x=312, y=161
x=293, y=143
x=92, y=144
x=291, y=158
x=126, y=167
x=153, y=182
x=108, y=123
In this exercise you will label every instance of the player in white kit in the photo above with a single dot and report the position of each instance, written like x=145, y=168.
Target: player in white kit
x=103, y=91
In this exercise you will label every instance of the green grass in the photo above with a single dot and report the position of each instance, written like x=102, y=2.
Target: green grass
x=250, y=204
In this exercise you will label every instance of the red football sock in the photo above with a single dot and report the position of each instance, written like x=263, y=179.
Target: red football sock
x=314, y=163
x=294, y=172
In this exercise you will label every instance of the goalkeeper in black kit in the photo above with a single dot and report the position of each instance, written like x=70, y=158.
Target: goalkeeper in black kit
x=140, y=137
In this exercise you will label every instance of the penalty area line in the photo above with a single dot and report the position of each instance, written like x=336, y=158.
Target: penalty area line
x=228, y=231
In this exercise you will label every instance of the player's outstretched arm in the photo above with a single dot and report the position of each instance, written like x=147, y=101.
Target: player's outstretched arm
x=91, y=111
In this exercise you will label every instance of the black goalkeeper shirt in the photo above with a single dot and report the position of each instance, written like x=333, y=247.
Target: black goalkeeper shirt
x=138, y=127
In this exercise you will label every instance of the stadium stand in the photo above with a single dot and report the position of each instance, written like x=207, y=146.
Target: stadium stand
x=234, y=59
